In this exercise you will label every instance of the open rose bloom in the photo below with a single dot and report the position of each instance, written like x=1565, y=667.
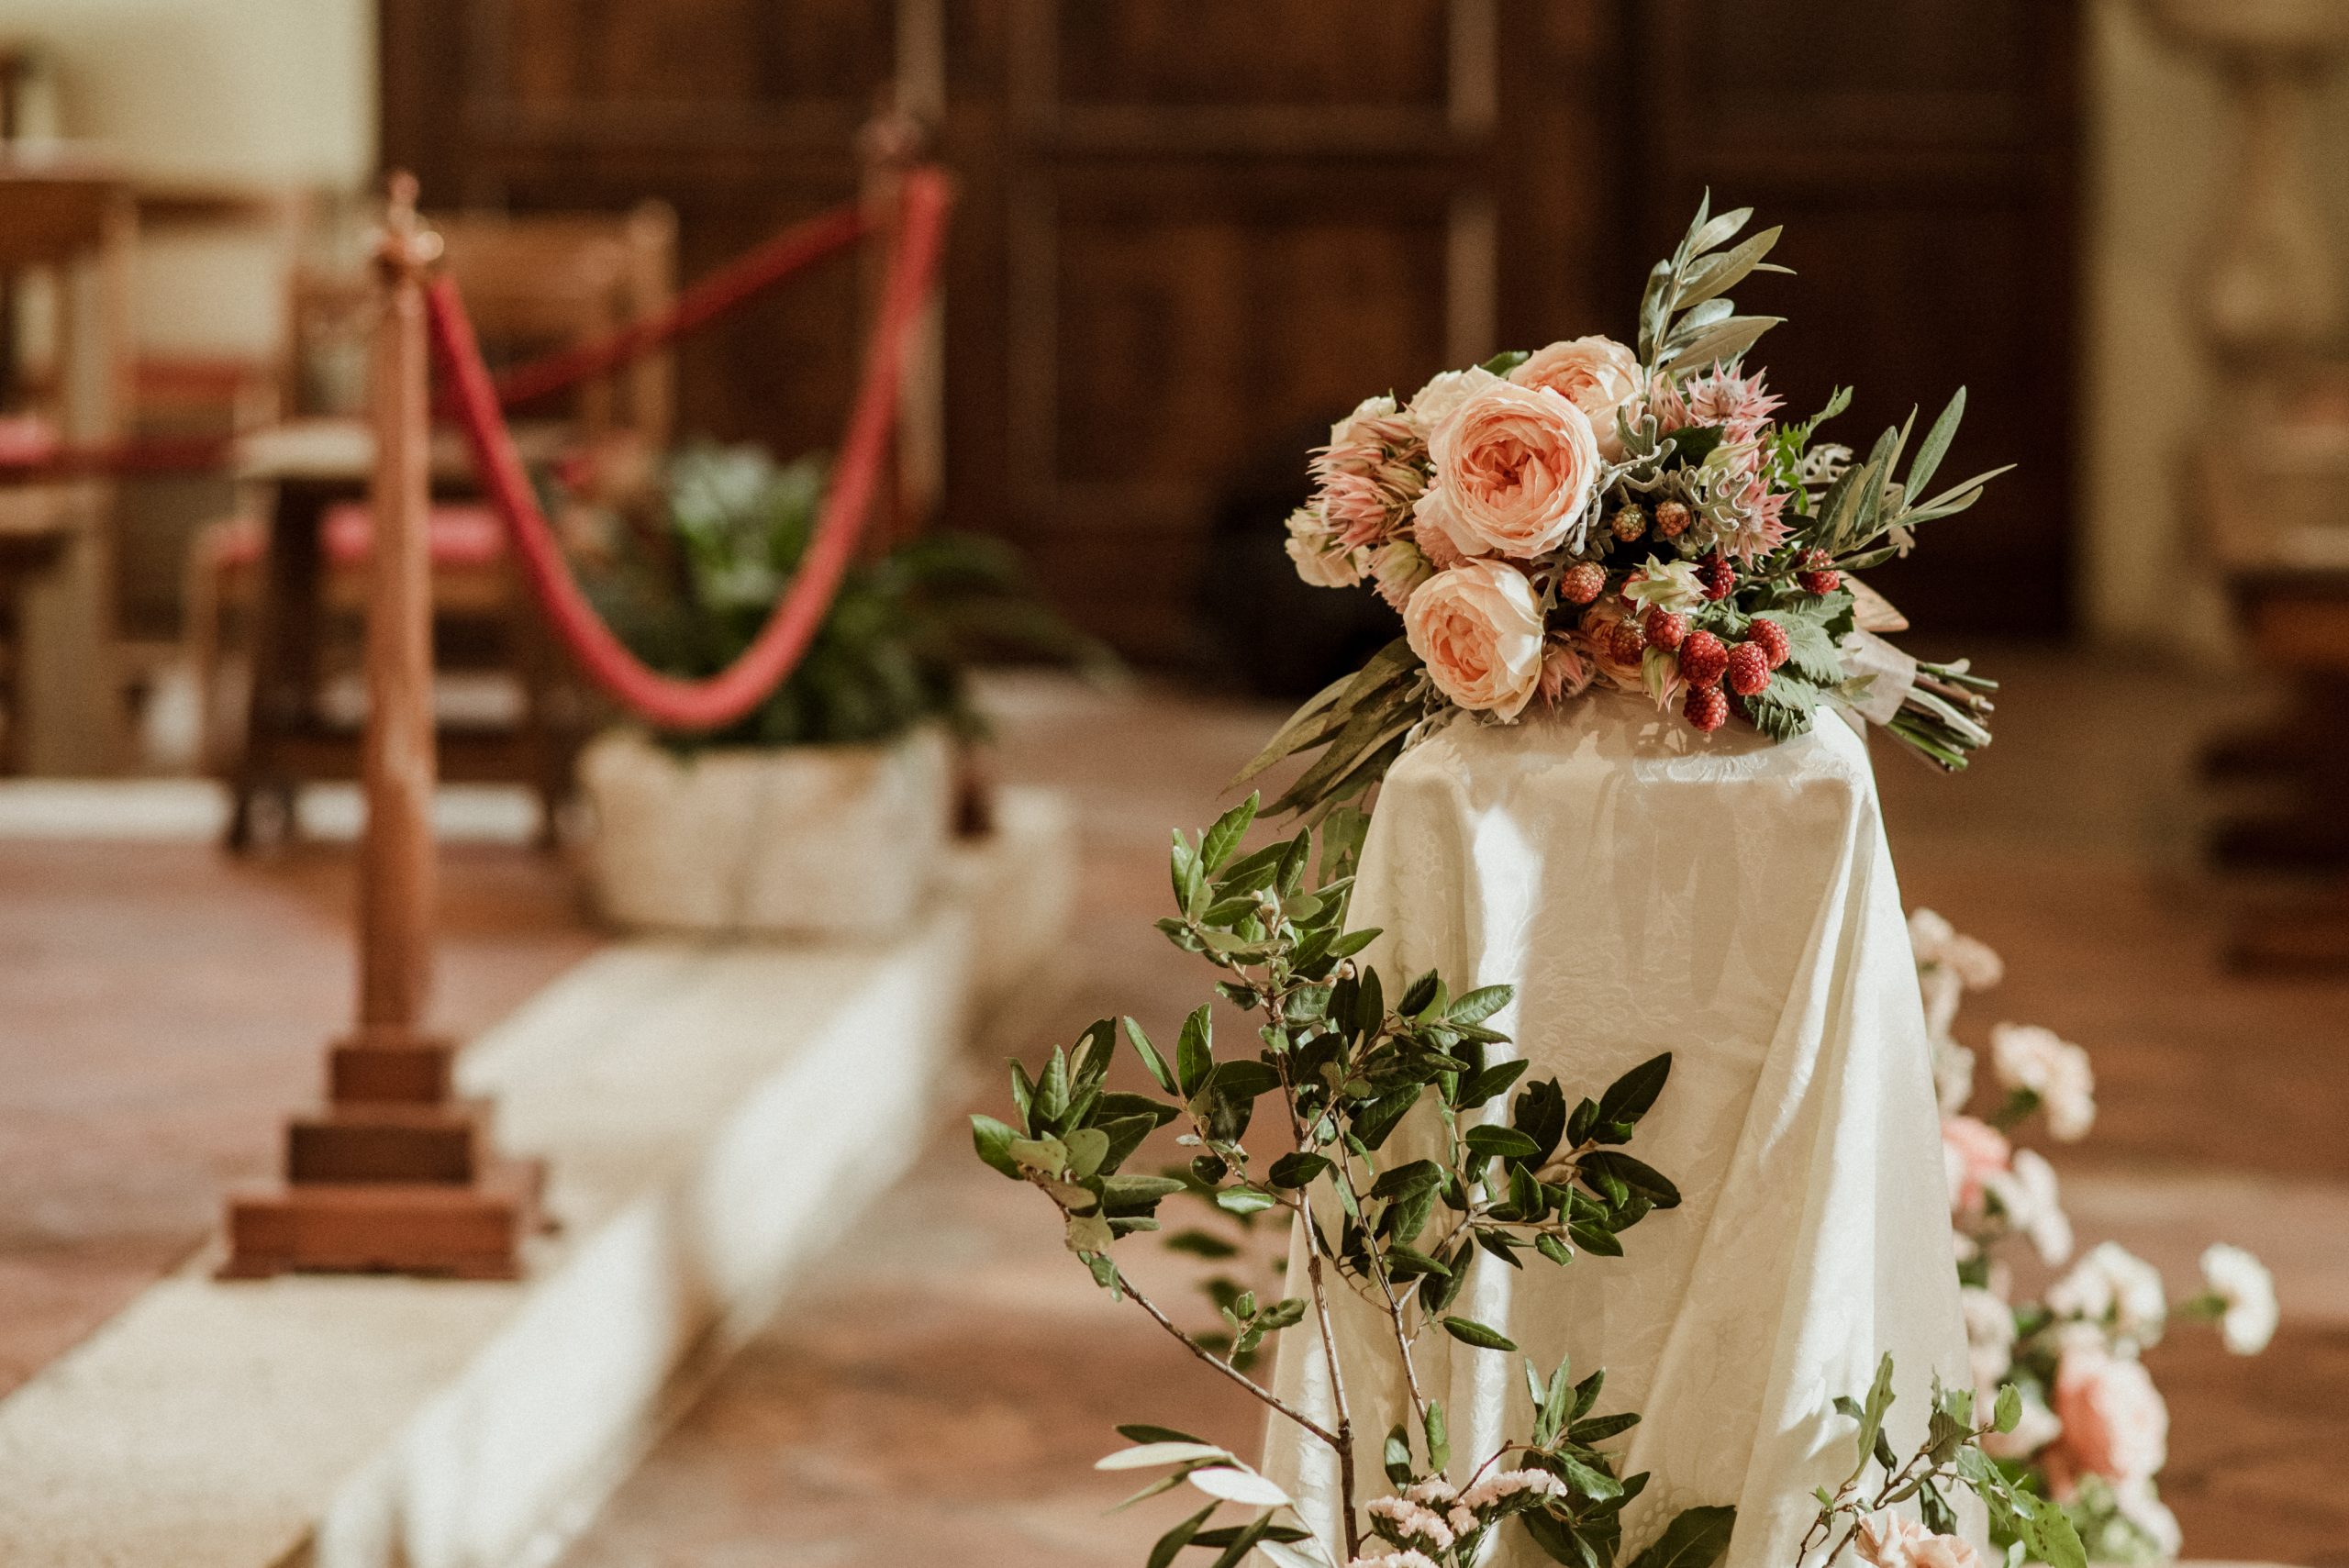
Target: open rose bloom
x=1590, y=467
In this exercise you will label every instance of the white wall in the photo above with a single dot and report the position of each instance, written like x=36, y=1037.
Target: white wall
x=233, y=91
x=2160, y=153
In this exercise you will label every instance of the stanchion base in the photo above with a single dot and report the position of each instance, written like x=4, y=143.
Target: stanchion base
x=473, y=1230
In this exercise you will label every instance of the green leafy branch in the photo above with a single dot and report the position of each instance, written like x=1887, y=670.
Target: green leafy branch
x=1686, y=317
x=1950, y=1457
x=1342, y=1065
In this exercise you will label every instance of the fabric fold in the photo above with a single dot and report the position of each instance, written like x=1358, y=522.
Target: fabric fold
x=1733, y=902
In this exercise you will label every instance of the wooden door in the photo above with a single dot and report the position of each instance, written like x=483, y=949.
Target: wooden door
x=1921, y=155
x=1187, y=228
x=1190, y=228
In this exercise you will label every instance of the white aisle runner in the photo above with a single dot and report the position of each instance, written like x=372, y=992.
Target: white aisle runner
x=1733, y=902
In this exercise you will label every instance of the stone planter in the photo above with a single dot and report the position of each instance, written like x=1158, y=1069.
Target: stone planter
x=801, y=840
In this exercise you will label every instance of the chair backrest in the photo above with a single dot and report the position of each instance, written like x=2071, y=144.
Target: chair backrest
x=542, y=280
x=532, y=282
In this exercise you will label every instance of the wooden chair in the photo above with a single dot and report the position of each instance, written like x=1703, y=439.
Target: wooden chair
x=69, y=229
x=531, y=283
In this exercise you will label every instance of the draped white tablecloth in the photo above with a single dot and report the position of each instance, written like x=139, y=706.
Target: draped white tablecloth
x=1733, y=902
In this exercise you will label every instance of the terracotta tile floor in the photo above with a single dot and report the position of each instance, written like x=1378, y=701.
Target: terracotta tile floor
x=939, y=1389
x=161, y=1007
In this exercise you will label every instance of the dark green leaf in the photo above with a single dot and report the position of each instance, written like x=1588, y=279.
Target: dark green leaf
x=1636, y=1174
x=1629, y=1097
x=1503, y=1142
x=1296, y=1169
x=1468, y=1331
x=1243, y=1200
x=1397, y=1455
x=1928, y=461
x=1216, y=846
x=1598, y=1429
x=1171, y=1544
x=1695, y=1539
x=993, y=1140
x=1479, y=1005
x=1195, y=1053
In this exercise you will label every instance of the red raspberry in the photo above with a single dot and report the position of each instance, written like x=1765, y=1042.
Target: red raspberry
x=1671, y=518
x=1665, y=629
x=1772, y=638
x=1706, y=708
x=1703, y=660
x=1630, y=521
x=1582, y=582
x=1819, y=575
x=1749, y=669
x=1718, y=576
x=1624, y=643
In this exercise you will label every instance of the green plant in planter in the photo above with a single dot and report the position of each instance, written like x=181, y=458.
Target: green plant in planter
x=692, y=571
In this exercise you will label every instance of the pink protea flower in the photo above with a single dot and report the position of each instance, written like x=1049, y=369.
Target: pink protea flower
x=1723, y=397
x=1369, y=475
x=1759, y=525
x=1565, y=671
x=1664, y=403
x=1358, y=508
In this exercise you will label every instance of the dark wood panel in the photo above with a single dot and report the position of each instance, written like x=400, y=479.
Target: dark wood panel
x=1187, y=228
x=572, y=57
x=1185, y=340
x=1921, y=156
x=1253, y=53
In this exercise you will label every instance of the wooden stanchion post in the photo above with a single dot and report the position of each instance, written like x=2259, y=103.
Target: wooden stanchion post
x=396, y=1174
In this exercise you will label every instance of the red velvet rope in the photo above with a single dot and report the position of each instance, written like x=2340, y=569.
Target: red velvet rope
x=754, y=270
x=665, y=700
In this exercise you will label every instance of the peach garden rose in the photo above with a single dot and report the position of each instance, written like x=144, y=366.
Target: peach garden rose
x=1514, y=470
x=2115, y=1424
x=1597, y=376
x=1478, y=629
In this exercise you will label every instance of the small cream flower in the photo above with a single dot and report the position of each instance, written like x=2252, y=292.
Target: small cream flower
x=2026, y=1194
x=2114, y=1286
x=2247, y=1291
x=1935, y=941
x=1400, y=568
x=2027, y=1057
x=1319, y=559
x=1989, y=1338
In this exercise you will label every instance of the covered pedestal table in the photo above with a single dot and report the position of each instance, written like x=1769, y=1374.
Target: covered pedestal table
x=1731, y=901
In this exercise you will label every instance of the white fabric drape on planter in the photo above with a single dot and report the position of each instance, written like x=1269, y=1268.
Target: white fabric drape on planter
x=1730, y=901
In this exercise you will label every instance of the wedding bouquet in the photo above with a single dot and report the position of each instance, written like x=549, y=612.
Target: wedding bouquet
x=2092, y=1430
x=1590, y=513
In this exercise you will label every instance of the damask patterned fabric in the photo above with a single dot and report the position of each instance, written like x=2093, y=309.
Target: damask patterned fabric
x=1730, y=901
